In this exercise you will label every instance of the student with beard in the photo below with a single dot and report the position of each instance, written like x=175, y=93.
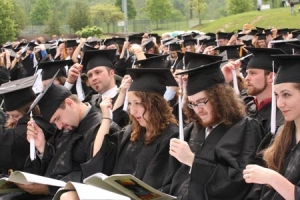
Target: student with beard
x=218, y=144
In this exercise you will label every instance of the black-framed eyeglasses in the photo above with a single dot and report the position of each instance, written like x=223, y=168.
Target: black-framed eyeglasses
x=197, y=105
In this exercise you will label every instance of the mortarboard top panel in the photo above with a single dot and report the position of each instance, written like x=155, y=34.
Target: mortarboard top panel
x=18, y=93
x=96, y=58
x=262, y=59
x=153, y=62
x=50, y=68
x=194, y=60
x=151, y=79
x=288, y=71
x=203, y=77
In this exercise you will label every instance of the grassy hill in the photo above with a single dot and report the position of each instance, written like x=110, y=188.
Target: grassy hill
x=279, y=18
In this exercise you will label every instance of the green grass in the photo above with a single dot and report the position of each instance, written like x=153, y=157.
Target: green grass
x=278, y=18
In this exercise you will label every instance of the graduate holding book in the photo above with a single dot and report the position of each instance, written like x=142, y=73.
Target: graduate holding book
x=143, y=146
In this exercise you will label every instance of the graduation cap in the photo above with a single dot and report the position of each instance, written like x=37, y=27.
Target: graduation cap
x=295, y=47
x=232, y=51
x=51, y=50
x=282, y=31
x=7, y=45
x=268, y=31
x=260, y=30
x=96, y=58
x=261, y=58
x=194, y=60
x=87, y=47
x=109, y=41
x=179, y=61
x=288, y=71
x=71, y=43
x=253, y=32
x=93, y=41
x=282, y=44
x=4, y=75
x=148, y=44
x=50, y=68
x=261, y=36
x=119, y=41
x=203, y=77
x=18, y=93
x=153, y=62
x=165, y=41
x=157, y=37
x=189, y=42
x=210, y=42
x=31, y=45
x=223, y=35
x=175, y=46
x=133, y=39
x=212, y=35
x=50, y=98
x=151, y=79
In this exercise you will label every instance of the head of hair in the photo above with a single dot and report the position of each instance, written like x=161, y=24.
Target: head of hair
x=23, y=110
x=228, y=107
x=275, y=154
x=160, y=115
x=73, y=97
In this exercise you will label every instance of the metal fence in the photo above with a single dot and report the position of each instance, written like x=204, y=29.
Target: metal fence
x=133, y=26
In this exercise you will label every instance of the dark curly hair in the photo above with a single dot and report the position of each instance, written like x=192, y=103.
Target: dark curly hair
x=160, y=116
x=228, y=107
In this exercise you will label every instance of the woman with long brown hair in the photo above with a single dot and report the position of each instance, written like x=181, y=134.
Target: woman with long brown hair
x=281, y=177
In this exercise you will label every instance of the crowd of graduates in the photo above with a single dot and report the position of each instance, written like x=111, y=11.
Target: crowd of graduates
x=211, y=116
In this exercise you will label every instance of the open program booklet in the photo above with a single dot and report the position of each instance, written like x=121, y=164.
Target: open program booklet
x=7, y=183
x=117, y=187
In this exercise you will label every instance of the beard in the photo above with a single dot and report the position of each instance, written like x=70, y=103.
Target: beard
x=213, y=121
x=254, y=91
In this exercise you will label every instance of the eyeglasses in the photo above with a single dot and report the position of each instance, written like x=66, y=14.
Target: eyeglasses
x=197, y=105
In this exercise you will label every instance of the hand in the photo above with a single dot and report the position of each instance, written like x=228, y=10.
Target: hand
x=181, y=151
x=82, y=40
x=126, y=45
x=105, y=105
x=34, y=188
x=135, y=48
x=258, y=174
x=125, y=84
x=227, y=70
x=74, y=72
x=35, y=132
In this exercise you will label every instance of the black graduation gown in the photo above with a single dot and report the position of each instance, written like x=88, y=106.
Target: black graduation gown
x=14, y=147
x=291, y=172
x=148, y=163
x=65, y=152
x=17, y=72
x=29, y=65
x=219, y=161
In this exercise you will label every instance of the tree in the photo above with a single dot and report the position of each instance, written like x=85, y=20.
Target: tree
x=199, y=6
x=40, y=12
x=180, y=5
x=8, y=27
x=53, y=24
x=158, y=9
x=18, y=16
x=107, y=13
x=90, y=32
x=79, y=18
x=130, y=8
x=238, y=6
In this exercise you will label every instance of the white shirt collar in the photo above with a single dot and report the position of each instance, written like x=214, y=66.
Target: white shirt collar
x=111, y=93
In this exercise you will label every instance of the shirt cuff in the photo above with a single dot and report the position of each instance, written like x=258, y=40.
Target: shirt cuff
x=68, y=85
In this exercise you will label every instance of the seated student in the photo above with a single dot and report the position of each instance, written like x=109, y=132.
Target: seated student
x=143, y=146
x=14, y=147
x=281, y=178
x=220, y=141
x=77, y=124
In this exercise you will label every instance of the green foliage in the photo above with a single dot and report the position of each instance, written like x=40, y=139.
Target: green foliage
x=8, y=28
x=18, y=16
x=238, y=6
x=130, y=8
x=158, y=9
x=199, y=6
x=106, y=13
x=176, y=15
x=180, y=5
x=40, y=12
x=79, y=18
x=90, y=32
x=53, y=24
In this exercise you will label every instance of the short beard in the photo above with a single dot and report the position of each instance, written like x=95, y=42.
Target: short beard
x=257, y=91
x=214, y=121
